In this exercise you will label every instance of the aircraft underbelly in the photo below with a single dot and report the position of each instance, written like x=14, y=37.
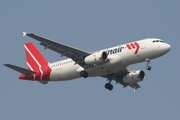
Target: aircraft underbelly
x=104, y=70
x=65, y=73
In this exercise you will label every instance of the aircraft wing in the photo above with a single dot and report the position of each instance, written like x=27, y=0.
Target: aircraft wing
x=75, y=54
x=118, y=78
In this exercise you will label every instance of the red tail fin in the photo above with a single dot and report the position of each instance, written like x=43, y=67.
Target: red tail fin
x=36, y=63
x=34, y=58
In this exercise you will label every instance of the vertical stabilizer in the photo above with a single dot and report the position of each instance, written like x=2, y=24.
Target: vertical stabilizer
x=37, y=63
x=34, y=58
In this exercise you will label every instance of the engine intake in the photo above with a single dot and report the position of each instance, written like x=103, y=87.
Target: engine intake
x=134, y=76
x=96, y=58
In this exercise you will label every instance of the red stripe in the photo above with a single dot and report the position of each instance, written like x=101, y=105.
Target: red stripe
x=31, y=61
x=26, y=77
x=132, y=45
x=38, y=75
x=137, y=47
x=46, y=73
x=34, y=66
x=128, y=46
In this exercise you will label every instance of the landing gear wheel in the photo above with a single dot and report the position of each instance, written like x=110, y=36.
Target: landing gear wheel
x=84, y=74
x=109, y=86
x=148, y=67
x=148, y=62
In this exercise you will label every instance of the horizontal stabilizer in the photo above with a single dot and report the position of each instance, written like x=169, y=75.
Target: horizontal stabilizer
x=19, y=69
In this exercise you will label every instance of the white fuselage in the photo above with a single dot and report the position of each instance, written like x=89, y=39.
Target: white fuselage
x=119, y=57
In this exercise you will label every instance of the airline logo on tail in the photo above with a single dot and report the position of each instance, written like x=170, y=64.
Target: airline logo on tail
x=36, y=62
x=134, y=45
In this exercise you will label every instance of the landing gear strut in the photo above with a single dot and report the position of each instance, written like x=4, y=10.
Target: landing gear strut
x=108, y=85
x=148, y=67
x=84, y=74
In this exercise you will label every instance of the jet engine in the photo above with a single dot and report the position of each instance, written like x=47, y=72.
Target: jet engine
x=96, y=58
x=134, y=76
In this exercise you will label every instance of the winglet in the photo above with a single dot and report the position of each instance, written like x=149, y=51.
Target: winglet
x=24, y=34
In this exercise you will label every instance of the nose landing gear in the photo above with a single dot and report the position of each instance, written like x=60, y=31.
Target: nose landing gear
x=147, y=60
x=148, y=67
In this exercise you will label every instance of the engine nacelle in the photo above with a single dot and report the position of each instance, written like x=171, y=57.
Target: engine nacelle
x=134, y=76
x=96, y=58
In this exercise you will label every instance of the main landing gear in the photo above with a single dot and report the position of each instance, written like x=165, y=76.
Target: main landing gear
x=108, y=85
x=148, y=67
x=84, y=74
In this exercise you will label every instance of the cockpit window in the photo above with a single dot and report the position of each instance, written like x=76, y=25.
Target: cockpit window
x=157, y=41
x=161, y=41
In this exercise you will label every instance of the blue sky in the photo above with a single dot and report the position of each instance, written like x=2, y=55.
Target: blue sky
x=89, y=25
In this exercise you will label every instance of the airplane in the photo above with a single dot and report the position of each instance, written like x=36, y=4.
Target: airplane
x=110, y=63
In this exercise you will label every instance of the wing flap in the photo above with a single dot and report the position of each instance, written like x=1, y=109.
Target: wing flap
x=19, y=69
x=135, y=86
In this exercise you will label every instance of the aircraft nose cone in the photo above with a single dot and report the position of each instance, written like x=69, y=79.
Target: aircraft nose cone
x=167, y=48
